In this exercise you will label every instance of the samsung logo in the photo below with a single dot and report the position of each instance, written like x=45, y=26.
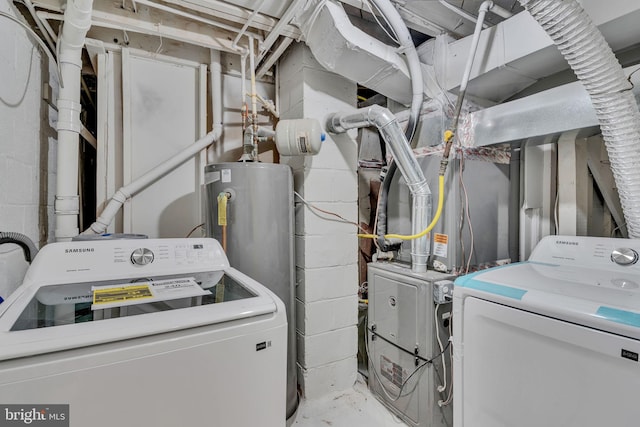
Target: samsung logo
x=566, y=242
x=78, y=250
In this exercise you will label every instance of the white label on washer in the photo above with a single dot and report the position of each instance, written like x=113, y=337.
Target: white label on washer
x=226, y=175
x=142, y=292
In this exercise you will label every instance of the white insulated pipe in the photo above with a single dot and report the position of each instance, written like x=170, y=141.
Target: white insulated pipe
x=408, y=165
x=131, y=189
x=413, y=61
x=485, y=7
x=215, y=68
x=597, y=68
x=77, y=21
x=252, y=67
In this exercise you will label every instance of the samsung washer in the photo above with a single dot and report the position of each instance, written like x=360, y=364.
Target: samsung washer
x=553, y=341
x=158, y=332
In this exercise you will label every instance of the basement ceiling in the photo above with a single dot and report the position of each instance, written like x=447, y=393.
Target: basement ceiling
x=226, y=25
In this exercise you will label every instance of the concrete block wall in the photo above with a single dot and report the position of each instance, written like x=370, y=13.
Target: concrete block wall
x=326, y=249
x=27, y=147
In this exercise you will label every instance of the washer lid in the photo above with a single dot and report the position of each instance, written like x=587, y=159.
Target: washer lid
x=569, y=278
x=52, y=318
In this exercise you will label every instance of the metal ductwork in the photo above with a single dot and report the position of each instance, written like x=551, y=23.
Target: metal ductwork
x=346, y=50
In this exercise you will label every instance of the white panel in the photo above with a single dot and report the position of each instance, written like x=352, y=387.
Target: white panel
x=526, y=370
x=109, y=134
x=536, y=214
x=161, y=103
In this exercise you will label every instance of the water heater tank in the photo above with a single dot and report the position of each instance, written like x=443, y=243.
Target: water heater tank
x=259, y=235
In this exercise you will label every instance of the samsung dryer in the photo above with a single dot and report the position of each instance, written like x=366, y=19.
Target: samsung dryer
x=158, y=332
x=553, y=341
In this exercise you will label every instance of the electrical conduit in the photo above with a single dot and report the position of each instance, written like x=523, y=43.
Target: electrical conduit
x=77, y=21
x=593, y=62
x=389, y=128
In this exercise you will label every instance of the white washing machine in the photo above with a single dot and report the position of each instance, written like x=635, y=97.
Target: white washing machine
x=553, y=341
x=158, y=332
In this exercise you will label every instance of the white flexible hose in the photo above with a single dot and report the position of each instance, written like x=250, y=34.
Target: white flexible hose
x=413, y=62
x=595, y=65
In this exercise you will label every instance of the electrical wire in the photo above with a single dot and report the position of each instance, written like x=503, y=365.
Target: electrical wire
x=194, y=229
x=442, y=387
x=340, y=218
x=425, y=362
x=38, y=40
x=14, y=104
x=393, y=36
x=450, y=394
x=466, y=211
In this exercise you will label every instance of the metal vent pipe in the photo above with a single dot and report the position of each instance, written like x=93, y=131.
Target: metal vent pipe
x=393, y=135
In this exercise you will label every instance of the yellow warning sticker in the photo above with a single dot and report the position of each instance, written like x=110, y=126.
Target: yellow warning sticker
x=440, y=244
x=121, y=294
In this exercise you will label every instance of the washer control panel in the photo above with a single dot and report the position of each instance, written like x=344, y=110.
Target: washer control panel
x=89, y=260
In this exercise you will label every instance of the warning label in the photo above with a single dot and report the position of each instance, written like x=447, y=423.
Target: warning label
x=121, y=294
x=137, y=293
x=440, y=245
x=392, y=371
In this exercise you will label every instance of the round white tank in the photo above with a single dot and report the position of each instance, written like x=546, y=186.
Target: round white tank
x=299, y=137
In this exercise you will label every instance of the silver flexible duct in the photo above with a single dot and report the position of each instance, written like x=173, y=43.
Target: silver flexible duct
x=395, y=138
x=593, y=62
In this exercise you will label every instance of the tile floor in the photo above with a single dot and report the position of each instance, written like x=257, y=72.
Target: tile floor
x=355, y=407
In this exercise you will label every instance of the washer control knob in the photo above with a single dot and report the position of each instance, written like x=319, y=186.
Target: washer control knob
x=624, y=256
x=142, y=256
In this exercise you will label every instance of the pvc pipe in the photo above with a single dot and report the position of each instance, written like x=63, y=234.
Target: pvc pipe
x=131, y=189
x=194, y=17
x=595, y=65
x=466, y=15
x=269, y=106
x=77, y=21
x=484, y=8
x=243, y=87
x=408, y=165
x=275, y=31
x=39, y=24
x=254, y=101
x=215, y=69
x=413, y=62
x=252, y=70
x=246, y=24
